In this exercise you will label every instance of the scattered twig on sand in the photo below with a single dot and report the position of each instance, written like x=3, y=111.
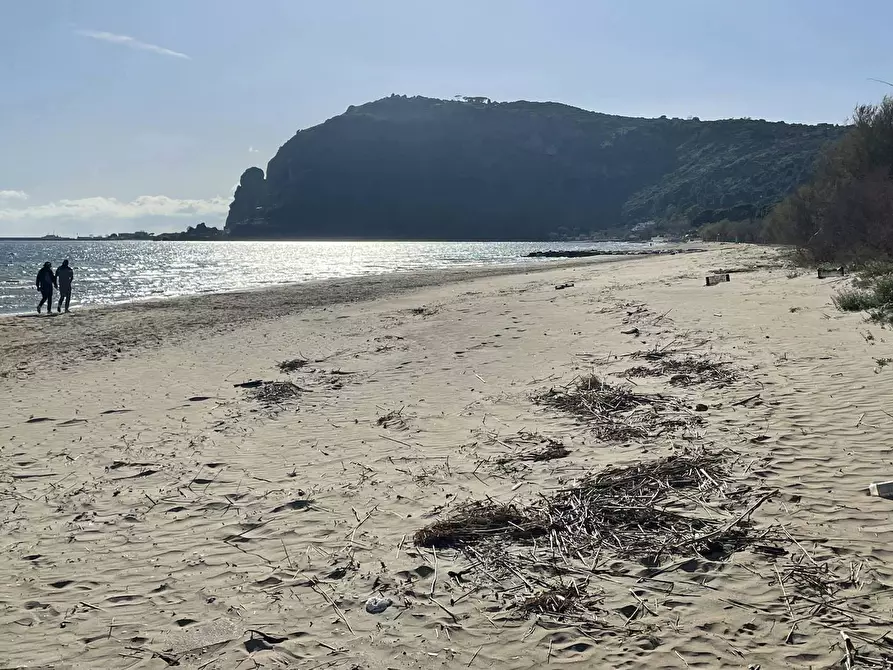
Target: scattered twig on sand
x=529, y=447
x=405, y=444
x=274, y=393
x=315, y=586
x=644, y=511
x=474, y=656
x=617, y=413
x=393, y=419
x=746, y=400
x=292, y=365
x=451, y=615
x=686, y=371
x=476, y=521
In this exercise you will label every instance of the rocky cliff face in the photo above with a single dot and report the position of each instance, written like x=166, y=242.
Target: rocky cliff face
x=418, y=168
x=249, y=203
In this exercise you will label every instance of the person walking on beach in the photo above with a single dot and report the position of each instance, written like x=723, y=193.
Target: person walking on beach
x=45, y=282
x=64, y=277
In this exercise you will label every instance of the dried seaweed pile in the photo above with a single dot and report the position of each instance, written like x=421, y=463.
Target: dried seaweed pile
x=548, y=452
x=646, y=511
x=274, y=393
x=481, y=521
x=652, y=509
x=616, y=412
x=292, y=365
x=687, y=371
x=531, y=448
x=393, y=419
x=563, y=602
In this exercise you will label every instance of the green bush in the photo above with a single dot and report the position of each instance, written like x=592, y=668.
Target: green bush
x=883, y=291
x=853, y=300
x=871, y=270
x=876, y=297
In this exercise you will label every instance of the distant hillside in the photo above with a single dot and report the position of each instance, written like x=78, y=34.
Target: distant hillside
x=419, y=168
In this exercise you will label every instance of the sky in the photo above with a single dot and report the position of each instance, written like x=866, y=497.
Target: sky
x=119, y=115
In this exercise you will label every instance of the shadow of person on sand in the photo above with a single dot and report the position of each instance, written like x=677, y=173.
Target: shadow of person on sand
x=37, y=316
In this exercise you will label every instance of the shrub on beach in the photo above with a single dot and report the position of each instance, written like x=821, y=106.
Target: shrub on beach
x=854, y=300
x=875, y=296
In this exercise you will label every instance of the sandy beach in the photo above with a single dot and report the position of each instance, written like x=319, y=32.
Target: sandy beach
x=153, y=514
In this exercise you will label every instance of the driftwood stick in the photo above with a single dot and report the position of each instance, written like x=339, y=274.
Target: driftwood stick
x=334, y=606
x=475, y=656
x=434, y=581
x=794, y=540
x=785, y=594
x=727, y=527
x=364, y=520
x=405, y=444
x=451, y=615
x=850, y=657
x=745, y=401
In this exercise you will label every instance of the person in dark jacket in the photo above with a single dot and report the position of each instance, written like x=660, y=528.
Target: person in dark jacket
x=64, y=277
x=45, y=282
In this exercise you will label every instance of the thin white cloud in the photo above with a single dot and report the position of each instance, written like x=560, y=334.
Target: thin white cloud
x=99, y=208
x=13, y=195
x=131, y=42
x=252, y=150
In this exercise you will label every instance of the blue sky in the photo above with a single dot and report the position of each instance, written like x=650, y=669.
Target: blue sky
x=124, y=114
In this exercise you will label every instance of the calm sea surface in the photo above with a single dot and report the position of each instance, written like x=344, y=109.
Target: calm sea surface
x=115, y=272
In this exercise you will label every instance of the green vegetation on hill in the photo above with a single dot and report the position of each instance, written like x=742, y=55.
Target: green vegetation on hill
x=845, y=213
x=419, y=168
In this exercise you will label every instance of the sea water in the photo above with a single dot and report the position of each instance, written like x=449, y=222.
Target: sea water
x=108, y=272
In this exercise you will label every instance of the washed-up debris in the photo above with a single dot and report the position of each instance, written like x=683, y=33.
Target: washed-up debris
x=476, y=522
x=292, y=365
x=253, y=384
x=561, y=287
x=617, y=413
x=550, y=451
x=560, y=601
x=523, y=447
x=881, y=489
x=393, y=419
x=713, y=280
x=274, y=393
x=646, y=510
x=687, y=371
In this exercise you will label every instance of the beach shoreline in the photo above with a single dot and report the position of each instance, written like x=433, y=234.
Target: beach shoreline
x=189, y=500
x=138, y=271
x=111, y=330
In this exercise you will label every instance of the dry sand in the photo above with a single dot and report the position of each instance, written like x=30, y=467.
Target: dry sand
x=153, y=515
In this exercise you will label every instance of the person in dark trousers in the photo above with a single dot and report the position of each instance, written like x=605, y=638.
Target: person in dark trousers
x=64, y=277
x=45, y=282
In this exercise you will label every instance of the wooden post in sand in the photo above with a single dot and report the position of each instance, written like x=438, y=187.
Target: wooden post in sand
x=832, y=272
x=713, y=280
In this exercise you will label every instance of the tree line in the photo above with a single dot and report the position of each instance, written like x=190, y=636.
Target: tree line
x=845, y=212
